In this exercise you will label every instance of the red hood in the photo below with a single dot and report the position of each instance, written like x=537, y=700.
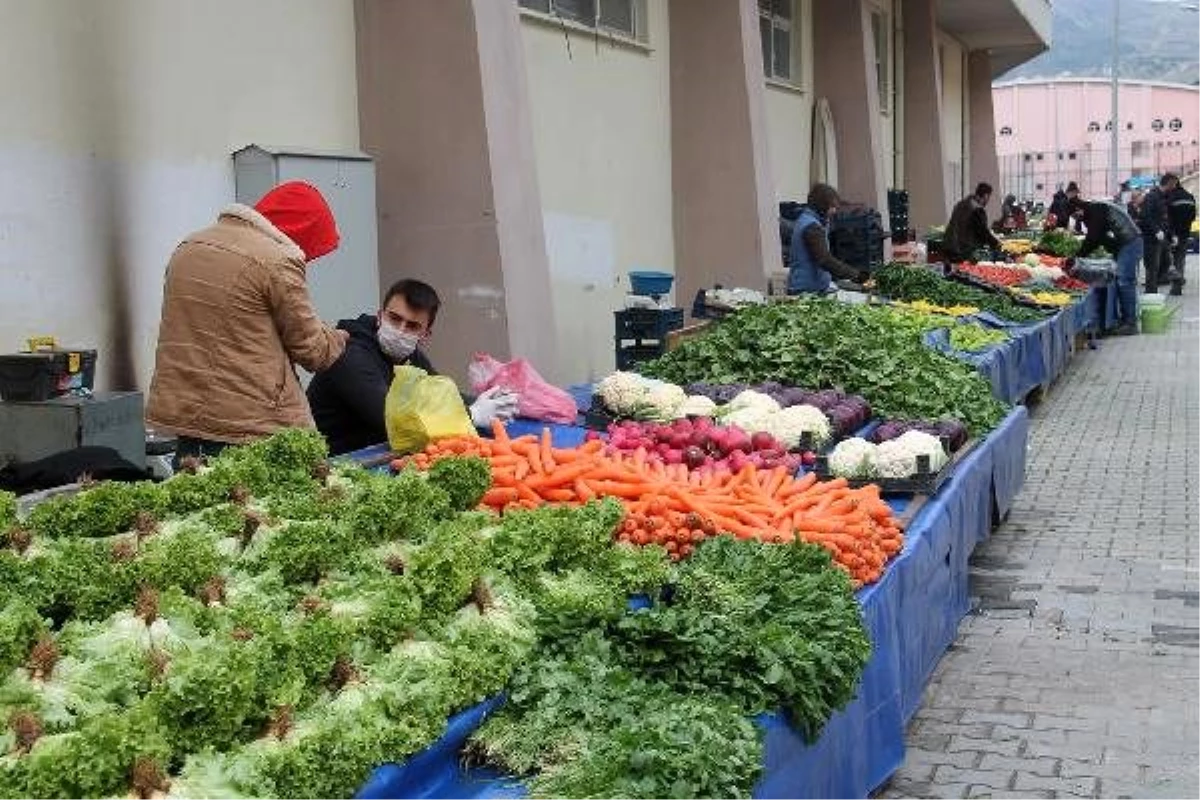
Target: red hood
x=299, y=211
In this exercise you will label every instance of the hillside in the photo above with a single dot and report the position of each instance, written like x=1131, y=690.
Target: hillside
x=1159, y=41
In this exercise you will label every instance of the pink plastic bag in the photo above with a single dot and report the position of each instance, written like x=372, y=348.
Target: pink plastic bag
x=538, y=399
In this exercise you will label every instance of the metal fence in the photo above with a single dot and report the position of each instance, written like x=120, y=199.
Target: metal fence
x=1035, y=176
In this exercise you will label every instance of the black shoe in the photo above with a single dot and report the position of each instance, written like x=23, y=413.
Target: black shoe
x=1128, y=329
x=1176, y=291
x=1174, y=275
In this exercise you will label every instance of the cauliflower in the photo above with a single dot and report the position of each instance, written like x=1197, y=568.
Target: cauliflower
x=893, y=459
x=921, y=443
x=630, y=395
x=853, y=458
x=752, y=399
x=751, y=420
x=788, y=424
x=697, y=405
x=621, y=391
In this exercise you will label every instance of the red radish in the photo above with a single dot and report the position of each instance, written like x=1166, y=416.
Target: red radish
x=694, y=457
x=762, y=441
x=673, y=457
x=808, y=458
x=591, y=436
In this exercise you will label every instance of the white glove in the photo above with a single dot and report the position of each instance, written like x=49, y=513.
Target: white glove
x=1160, y=236
x=1174, y=241
x=494, y=404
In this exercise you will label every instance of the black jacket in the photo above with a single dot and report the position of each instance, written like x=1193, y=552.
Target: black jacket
x=967, y=231
x=1108, y=226
x=1152, y=216
x=347, y=399
x=1181, y=211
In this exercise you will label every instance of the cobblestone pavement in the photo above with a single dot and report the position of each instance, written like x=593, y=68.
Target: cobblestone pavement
x=1076, y=673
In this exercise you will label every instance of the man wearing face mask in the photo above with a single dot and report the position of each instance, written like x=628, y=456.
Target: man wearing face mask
x=347, y=399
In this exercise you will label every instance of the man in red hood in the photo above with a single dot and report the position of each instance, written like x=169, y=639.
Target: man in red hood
x=237, y=317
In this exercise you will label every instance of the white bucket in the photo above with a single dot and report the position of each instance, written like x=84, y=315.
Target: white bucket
x=1154, y=299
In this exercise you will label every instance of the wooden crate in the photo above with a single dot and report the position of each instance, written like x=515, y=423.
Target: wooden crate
x=678, y=337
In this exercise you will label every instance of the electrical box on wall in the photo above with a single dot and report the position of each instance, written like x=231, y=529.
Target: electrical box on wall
x=344, y=283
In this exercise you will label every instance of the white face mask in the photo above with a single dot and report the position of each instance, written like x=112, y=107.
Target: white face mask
x=395, y=343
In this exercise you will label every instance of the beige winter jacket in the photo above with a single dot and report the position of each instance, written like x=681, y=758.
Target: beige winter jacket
x=236, y=316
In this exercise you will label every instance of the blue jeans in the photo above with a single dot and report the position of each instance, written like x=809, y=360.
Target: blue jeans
x=1127, y=265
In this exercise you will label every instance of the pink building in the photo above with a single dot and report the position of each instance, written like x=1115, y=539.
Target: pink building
x=1055, y=131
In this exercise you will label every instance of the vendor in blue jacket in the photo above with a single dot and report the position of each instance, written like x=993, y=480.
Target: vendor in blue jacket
x=811, y=267
x=347, y=400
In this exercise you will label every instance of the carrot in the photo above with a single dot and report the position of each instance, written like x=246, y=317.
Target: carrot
x=499, y=496
x=547, y=453
x=559, y=495
x=499, y=432
x=521, y=470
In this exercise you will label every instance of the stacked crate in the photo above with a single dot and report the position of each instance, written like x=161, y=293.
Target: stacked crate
x=641, y=333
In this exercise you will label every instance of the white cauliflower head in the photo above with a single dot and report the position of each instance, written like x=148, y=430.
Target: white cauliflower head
x=697, y=405
x=853, y=458
x=749, y=419
x=921, y=443
x=788, y=424
x=622, y=391
x=752, y=399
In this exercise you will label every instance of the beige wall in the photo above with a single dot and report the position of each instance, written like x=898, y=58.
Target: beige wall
x=954, y=109
x=117, y=142
x=790, y=116
x=445, y=112
x=601, y=131
x=924, y=155
x=789, y=137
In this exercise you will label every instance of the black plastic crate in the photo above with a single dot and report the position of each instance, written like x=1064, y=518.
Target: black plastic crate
x=33, y=377
x=647, y=323
x=632, y=354
x=923, y=483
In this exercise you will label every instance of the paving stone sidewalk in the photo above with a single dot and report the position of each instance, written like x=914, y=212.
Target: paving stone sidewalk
x=1076, y=673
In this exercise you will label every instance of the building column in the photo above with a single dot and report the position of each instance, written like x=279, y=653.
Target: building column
x=444, y=110
x=844, y=75
x=984, y=165
x=725, y=212
x=924, y=150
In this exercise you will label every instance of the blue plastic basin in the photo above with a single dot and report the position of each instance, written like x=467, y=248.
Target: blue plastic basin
x=647, y=282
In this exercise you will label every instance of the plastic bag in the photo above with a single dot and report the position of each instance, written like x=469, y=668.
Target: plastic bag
x=538, y=399
x=420, y=408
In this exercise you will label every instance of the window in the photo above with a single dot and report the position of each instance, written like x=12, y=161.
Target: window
x=1070, y=156
x=881, y=33
x=1039, y=156
x=621, y=17
x=775, y=28
x=1128, y=126
x=1141, y=148
x=1006, y=131
x=1157, y=125
x=1028, y=157
x=1108, y=125
x=1040, y=186
x=1093, y=127
x=1177, y=124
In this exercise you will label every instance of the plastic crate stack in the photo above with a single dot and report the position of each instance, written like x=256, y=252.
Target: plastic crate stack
x=856, y=237
x=641, y=333
x=898, y=216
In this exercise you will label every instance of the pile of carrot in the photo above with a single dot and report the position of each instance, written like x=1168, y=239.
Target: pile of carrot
x=668, y=505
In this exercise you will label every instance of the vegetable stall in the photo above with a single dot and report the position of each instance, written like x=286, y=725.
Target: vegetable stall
x=720, y=590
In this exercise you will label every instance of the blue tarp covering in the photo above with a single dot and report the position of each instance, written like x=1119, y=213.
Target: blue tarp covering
x=1035, y=354
x=912, y=615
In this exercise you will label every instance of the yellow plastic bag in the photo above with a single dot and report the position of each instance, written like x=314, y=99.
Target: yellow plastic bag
x=420, y=408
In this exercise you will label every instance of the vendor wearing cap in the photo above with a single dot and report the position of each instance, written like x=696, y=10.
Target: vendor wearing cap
x=236, y=316
x=348, y=399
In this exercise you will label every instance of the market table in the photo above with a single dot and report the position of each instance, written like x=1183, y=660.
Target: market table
x=912, y=615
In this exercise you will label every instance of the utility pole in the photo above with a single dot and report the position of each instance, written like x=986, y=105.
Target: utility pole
x=1114, y=156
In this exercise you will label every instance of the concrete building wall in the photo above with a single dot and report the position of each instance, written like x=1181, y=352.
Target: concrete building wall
x=790, y=116
x=952, y=66
x=602, y=133
x=116, y=142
